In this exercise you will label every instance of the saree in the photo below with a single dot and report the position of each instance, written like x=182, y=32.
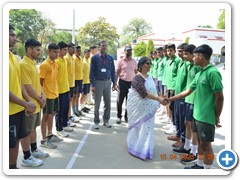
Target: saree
x=141, y=115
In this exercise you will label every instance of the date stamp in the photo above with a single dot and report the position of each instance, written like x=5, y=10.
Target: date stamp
x=188, y=157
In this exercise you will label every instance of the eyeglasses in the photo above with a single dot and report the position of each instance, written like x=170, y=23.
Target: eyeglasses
x=148, y=63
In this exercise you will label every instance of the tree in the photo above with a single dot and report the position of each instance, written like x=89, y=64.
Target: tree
x=93, y=32
x=205, y=26
x=221, y=20
x=150, y=47
x=135, y=28
x=28, y=23
x=187, y=40
x=140, y=49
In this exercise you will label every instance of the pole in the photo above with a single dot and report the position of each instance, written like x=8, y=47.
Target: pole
x=73, y=30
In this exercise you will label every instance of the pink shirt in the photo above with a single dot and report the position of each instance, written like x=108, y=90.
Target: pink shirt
x=125, y=69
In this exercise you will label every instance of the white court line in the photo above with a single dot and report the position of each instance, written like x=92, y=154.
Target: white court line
x=79, y=148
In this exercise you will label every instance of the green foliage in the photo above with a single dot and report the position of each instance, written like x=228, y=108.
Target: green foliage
x=20, y=49
x=221, y=20
x=140, y=49
x=93, y=32
x=135, y=28
x=150, y=47
x=28, y=23
x=187, y=40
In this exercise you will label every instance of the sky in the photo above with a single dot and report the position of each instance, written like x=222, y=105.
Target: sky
x=165, y=18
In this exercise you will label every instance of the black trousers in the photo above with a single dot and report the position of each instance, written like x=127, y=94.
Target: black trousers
x=123, y=87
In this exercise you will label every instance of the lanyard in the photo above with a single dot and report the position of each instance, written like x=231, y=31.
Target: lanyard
x=103, y=62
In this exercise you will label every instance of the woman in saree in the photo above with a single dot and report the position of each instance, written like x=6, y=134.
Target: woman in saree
x=142, y=104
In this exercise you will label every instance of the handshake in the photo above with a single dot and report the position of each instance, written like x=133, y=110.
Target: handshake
x=164, y=101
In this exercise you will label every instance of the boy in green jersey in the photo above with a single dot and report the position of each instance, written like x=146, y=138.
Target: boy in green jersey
x=207, y=111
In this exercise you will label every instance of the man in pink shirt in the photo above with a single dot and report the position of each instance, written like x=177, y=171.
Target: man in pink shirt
x=125, y=71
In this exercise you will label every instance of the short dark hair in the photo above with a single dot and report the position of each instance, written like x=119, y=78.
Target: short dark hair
x=189, y=48
x=101, y=42
x=11, y=27
x=205, y=50
x=171, y=46
x=62, y=45
x=53, y=46
x=32, y=43
x=93, y=47
x=160, y=49
x=142, y=61
x=165, y=47
x=86, y=50
x=78, y=47
x=70, y=45
x=182, y=46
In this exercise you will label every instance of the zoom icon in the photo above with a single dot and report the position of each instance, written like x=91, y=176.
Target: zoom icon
x=227, y=159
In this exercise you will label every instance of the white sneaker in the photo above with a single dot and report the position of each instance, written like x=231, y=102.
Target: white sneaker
x=107, y=125
x=71, y=124
x=67, y=129
x=75, y=119
x=31, y=162
x=168, y=126
x=39, y=154
x=96, y=126
x=48, y=144
x=54, y=138
x=171, y=131
x=62, y=133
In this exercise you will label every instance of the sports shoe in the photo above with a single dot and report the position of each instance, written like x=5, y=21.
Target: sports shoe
x=62, y=133
x=96, y=126
x=190, y=158
x=71, y=124
x=173, y=138
x=194, y=167
x=167, y=127
x=31, y=162
x=54, y=138
x=39, y=154
x=48, y=144
x=67, y=129
x=178, y=144
x=181, y=150
x=75, y=119
x=107, y=125
x=171, y=131
x=86, y=108
x=118, y=121
x=90, y=103
x=81, y=114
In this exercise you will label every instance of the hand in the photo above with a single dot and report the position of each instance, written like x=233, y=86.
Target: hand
x=93, y=89
x=30, y=107
x=218, y=123
x=165, y=101
x=42, y=101
x=114, y=88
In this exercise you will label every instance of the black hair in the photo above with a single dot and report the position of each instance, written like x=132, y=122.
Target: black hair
x=189, y=48
x=32, y=43
x=86, y=50
x=165, y=47
x=101, y=42
x=142, y=61
x=53, y=46
x=171, y=46
x=70, y=45
x=205, y=50
x=182, y=46
x=78, y=47
x=160, y=49
x=93, y=47
x=11, y=27
x=62, y=45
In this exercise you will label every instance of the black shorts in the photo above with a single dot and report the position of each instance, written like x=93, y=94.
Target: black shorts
x=189, y=112
x=52, y=105
x=78, y=87
x=86, y=88
x=205, y=131
x=71, y=91
x=170, y=93
x=17, y=128
x=160, y=87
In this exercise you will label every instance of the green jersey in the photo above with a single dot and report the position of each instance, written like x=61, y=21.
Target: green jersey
x=192, y=71
x=181, y=79
x=155, y=68
x=164, y=78
x=172, y=68
x=206, y=83
x=160, y=69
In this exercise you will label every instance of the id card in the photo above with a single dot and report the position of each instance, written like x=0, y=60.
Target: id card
x=103, y=70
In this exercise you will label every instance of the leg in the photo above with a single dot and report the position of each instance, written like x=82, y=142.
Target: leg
x=120, y=98
x=98, y=95
x=107, y=101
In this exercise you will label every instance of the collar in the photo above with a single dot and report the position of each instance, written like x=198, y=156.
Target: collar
x=50, y=61
x=27, y=59
x=102, y=55
x=207, y=67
